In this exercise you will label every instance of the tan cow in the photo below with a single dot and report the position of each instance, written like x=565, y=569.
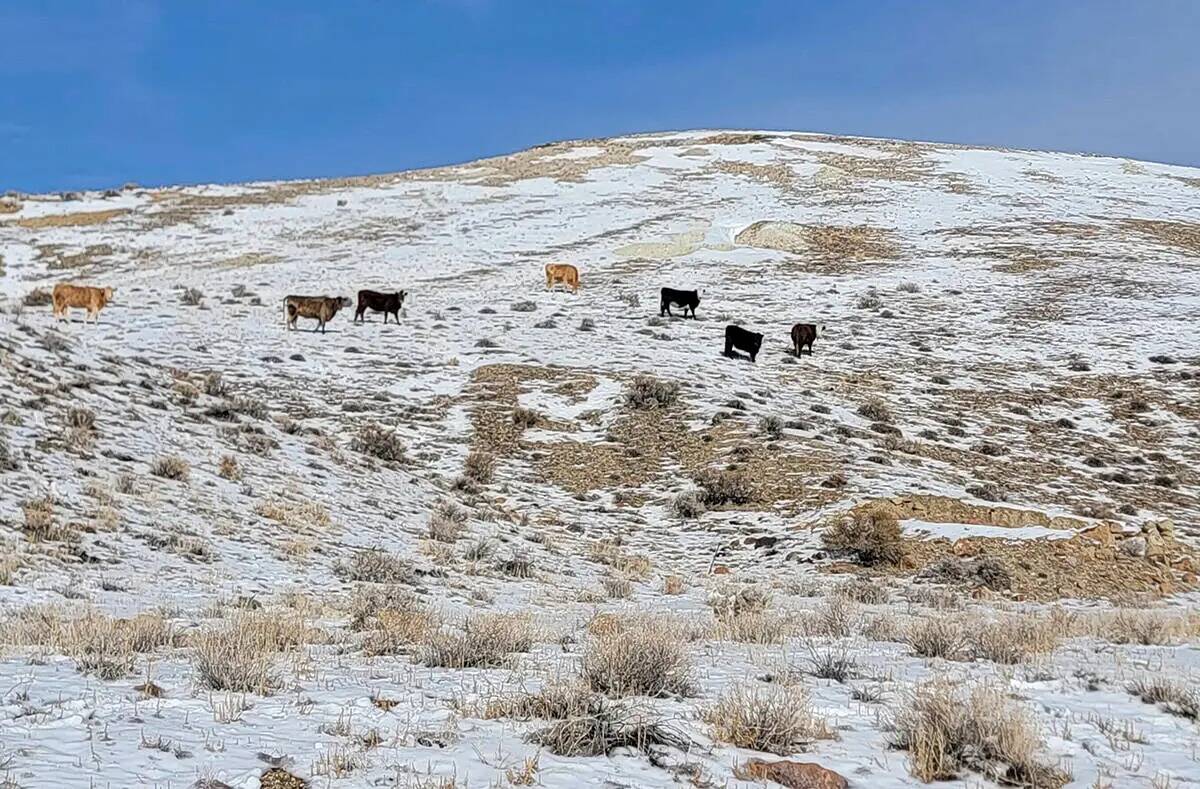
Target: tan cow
x=93, y=300
x=564, y=273
x=320, y=308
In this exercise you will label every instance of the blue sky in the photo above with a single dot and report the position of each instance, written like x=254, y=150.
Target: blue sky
x=156, y=91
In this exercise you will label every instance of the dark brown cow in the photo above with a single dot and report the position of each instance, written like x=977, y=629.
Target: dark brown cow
x=373, y=300
x=803, y=335
x=320, y=308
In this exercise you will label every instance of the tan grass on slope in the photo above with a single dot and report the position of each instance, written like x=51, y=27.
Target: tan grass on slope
x=828, y=243
x=75, y=219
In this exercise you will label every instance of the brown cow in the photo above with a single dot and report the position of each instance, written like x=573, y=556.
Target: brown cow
x=320, y=308
x=93, y=300
x=564, y=273
x=803, y=334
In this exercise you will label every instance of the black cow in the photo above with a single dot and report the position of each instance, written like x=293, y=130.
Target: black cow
x=387, y=303
x=803, y=334
x=688, y=299
x=742, y=340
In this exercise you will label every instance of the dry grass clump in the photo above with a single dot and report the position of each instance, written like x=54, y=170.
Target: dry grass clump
x=10, y=563
x=871, y=534
x=557, y=700
x=1145, y=626
x=240, y=655
x=447, y=522
x=725, y=486
x=40, y=522
x=646, y=657
x=948, y=728
x=673, y=585
x=1014, y=639
x=609, y=552
x=1174, y=696
x=171, y=467
x=99, y=644
x=400, y=629
x=938, y=636
x=772, y=718
x=616, y=588
x=647, y=392
x=9, y=459
x=485, y=641
x=304, y=515
x=228, y=468
x=379, y=442
x=376, y=565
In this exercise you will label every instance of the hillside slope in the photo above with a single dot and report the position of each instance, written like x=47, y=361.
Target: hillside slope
x=1008, y=367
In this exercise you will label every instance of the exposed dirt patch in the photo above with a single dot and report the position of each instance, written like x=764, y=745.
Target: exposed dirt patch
x=1180, y=235
x=75, y=219
x=780, y=175
x=57, y=258
x=827, y=243
x=493, y=391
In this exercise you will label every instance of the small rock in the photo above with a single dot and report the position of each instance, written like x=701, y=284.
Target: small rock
x=1134, y=547
x=794, y=775
x=297, y=357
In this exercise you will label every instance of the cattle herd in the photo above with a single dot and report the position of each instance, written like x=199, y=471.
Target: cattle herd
x=322, y=309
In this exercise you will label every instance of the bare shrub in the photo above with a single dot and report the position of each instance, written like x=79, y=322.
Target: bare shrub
x=647, y=658
x=688, y=505
x=558, y=700
x=1171, y=695
x=832, y=663
x=171, y=467
x=525, y=417
x=1145, y=626
x=523, y=306
x=485, y=641
x=447, y=521
x=771, y=427
x=192, y=297
x=947, y=729
x=733, y=601
x=837, y=617
x=876, y=410
x=616, y=587
x=1014, y=639
x=379, y=442
x=938, y=636
x=983, y=571
x=480, y=467
x=240, y=656
x=649, y=392
x=215, y=386
x=376, y=566
x=863, y=589
x=518, y=565
x=228, y=468
x=38, y=297
x=9, y=460
x=726, y=486
x=772, y=718
x=872, y=534
x=606, y=726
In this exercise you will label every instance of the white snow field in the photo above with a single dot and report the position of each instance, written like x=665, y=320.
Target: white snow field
x=456, y=551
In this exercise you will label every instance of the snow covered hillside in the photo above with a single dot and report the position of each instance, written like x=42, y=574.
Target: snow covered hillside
x=530, y=537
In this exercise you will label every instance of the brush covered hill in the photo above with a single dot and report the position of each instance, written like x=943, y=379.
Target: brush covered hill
x=532, y=537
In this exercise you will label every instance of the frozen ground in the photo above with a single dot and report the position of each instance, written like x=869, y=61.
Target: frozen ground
x=1010, y=358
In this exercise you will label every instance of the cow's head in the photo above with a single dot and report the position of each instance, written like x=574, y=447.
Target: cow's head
x=108, y=294
x=344, y=301
x=401, y=296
